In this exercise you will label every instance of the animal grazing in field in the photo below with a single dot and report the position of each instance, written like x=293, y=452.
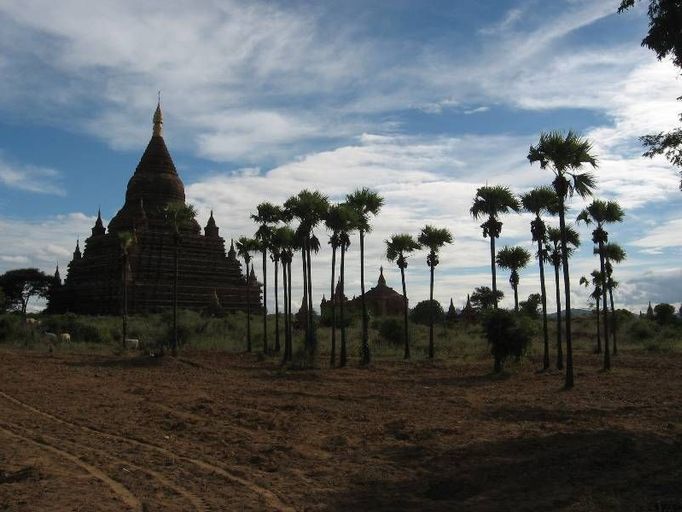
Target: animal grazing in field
x=65, y=337
x=133, y=343
x=51, y=339
x=32, y=322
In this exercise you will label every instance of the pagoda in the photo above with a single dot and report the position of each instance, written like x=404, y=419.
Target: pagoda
x=94, y=283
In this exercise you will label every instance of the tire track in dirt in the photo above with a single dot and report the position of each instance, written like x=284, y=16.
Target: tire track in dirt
x=271, y=499
x=197, y=502
x=116, y=487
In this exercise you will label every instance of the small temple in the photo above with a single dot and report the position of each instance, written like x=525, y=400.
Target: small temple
x=93, y=284
x=382, y=300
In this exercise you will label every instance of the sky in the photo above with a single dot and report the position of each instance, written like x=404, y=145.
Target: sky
x=422, y=101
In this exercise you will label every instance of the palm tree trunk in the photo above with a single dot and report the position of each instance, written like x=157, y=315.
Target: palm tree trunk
x=567, y=295
x=493, y=269
x=366, y=357
x=543, y=296
x=290, y=334
x=407, y=338
x=305, y=296
x=598, y=351
x=605, y=308
x=431, y=313
x=277, y=347
x=613, y=322
x=559, y=327
x=516, y=298
x=313, y=333
x=343, y=356
x=175, y=297
x=286, y=309
x=332, y=361
x=265, y=302
x=248, y=308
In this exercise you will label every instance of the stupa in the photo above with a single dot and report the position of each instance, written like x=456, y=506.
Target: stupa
x=94, y=283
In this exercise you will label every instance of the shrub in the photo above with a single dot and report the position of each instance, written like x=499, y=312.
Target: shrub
x=664, y=313
x=642, y=330
x=391, y=330
x=420, y=314
x=508, y=334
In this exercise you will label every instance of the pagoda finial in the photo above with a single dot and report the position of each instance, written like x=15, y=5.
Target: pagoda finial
x=382, y=279
x=77, y=252
x=158, y=119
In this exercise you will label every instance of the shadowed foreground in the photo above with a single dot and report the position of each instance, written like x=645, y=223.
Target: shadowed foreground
x=214, y=431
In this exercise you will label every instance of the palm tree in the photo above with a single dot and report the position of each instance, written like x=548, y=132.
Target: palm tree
x=491, y=202
x=600, y=213
x=277, y=241
x=126, y=240
x=336, y=221
x=245, y=246
x=596, y=296
x=538, y=201
x=614, y=253
x=365, y=202
x=556, y=257
x=396, y=249
x=309, y=207
x=433, y=239
x=285, y=236
x=179, y=216
x=349, y=224
x=513, y=258
x=565, y=155
x=267, y=214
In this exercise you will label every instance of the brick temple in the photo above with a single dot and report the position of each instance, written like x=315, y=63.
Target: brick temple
x=94, y=281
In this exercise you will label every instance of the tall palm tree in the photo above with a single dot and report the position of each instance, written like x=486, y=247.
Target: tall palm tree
x=267, y=214
x=397, y=249
x=491, y=202
x=538, y=201
x=178, y=216
x=349, y=224
x=126, y=240
x=595, y=295
x=614, y=253
x=365, y=202
x=601, y=213
x=277, y=241
x=286, y=237
x=433, y=239
x=513, y=258
x=336, y=221
x=554, y=235
x=565, y=155
x=309, y=207
x=245, y=246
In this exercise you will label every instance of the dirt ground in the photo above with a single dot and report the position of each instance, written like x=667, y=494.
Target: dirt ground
x=213, y=431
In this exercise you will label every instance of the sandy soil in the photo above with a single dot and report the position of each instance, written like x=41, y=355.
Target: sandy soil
x=214, y=431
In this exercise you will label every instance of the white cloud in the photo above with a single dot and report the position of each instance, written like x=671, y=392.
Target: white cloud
x=41, y=180
x=662, y=236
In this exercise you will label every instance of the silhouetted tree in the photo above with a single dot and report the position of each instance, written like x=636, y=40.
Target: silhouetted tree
x=613, y=253
x=22, y=284
x=538, y=201
x=491, y=202
x=664, y=313
x=267, y=215
x=178, y=216
x=596, y=294
x=433, y=239
x=397, y=249
x=572, y=238
x=508, y=335
x=277, y=241
x=565, y=155
x=601, y=213
x=245, y=246
x=513, y=258
x=286, y=238
x=483, y=298
x=365, y=202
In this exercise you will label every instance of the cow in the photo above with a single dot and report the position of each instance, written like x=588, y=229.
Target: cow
x=65, y=337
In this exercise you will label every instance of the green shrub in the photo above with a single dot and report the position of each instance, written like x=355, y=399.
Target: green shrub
x=642, y=330
x=391, y=330
x=509, y=334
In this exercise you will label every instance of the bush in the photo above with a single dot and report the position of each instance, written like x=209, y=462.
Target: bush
x=508, y=334
x=421, y=313
x=664, y=313
x=9, y=327
x=391, y=330
x=642, y=330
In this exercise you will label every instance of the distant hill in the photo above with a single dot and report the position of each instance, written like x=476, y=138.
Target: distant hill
x=575, y=313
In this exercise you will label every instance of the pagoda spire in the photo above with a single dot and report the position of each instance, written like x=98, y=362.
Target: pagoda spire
x=77, y=252
x=98, y=228
x=158, y=119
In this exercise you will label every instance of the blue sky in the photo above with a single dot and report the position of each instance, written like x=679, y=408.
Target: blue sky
x=424, y=101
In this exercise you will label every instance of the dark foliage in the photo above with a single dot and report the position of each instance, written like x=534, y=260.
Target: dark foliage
x=664, y=313
x=420, y=314
x=483, y=298
x=508, y=333
x=530, y=306
x=391, y=330
x=21, y=285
